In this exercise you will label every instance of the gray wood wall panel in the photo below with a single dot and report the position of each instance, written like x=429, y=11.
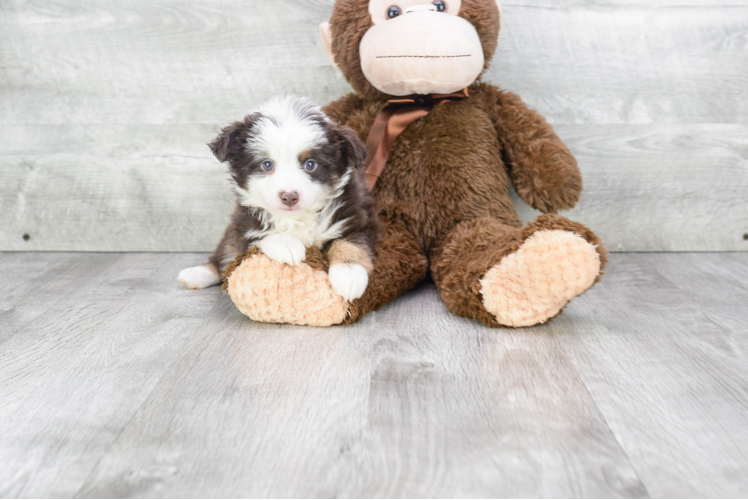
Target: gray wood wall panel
x=169, y=61
x=648, y=187
x=105, y=109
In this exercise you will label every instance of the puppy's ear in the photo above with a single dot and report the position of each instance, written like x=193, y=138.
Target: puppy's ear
x=353, y=149
x=230, y=142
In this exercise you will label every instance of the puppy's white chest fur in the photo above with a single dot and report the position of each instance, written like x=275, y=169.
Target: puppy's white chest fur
x=314, y=228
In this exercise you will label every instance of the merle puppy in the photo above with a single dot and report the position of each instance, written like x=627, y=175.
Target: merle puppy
x=299, y=183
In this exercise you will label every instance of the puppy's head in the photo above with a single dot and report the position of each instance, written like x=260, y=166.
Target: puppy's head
x=288, y=157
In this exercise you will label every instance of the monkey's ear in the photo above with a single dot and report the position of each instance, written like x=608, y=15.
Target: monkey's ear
x=500, y=17
x=324, y=30
x=353, y=149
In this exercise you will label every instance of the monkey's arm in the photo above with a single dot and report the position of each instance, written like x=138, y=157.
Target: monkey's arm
x=543, y=170
x=354, y=112
x=344, y=108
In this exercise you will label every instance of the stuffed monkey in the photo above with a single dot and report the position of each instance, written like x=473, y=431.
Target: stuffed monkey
x=443, y=147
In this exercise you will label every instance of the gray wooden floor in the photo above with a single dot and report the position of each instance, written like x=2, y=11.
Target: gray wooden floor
x=115, y=382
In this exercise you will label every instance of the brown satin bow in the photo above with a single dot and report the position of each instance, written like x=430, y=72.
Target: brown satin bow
x=392, y=121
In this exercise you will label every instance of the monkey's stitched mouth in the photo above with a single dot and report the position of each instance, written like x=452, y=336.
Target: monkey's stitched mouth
x=424, y=57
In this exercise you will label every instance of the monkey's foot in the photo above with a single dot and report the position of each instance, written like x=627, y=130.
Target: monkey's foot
x=270, y=292
x=533, y=284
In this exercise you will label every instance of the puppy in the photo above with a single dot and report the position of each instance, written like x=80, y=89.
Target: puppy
x=299, y=183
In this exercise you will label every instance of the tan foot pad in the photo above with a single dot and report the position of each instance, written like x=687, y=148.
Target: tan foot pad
x=533, y=284
x=270, y=292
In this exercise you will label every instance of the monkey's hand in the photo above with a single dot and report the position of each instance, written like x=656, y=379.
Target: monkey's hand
x=546, y=176
x=543, y=170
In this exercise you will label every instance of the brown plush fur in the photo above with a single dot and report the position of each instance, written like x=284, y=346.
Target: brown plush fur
x=400, y=265
x=460, y=153
x=446, y=183
x=444, y=195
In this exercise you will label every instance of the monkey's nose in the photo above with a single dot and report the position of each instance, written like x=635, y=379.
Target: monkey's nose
x=421, y=7
x=289, y=199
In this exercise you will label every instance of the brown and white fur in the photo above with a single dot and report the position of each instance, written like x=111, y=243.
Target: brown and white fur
x=299, y=183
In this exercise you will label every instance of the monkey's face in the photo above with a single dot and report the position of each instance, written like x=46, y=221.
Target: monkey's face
x=415, y=48
x=403, y=47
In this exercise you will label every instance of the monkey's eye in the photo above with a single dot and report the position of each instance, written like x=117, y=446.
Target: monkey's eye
x=310, y=165
x=268, y=166
x=393, y=12
x=440, y=5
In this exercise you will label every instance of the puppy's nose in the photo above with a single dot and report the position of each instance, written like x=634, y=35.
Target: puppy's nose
x=289, y=199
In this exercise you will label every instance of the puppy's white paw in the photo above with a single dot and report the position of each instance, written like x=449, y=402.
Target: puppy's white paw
x=197, y=278
x=349, y=280
x=283, y=248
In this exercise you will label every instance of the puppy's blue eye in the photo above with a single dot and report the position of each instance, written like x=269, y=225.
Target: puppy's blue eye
x=440, y=5
x=310, y=165
x=393, y=12
x=268, y=166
